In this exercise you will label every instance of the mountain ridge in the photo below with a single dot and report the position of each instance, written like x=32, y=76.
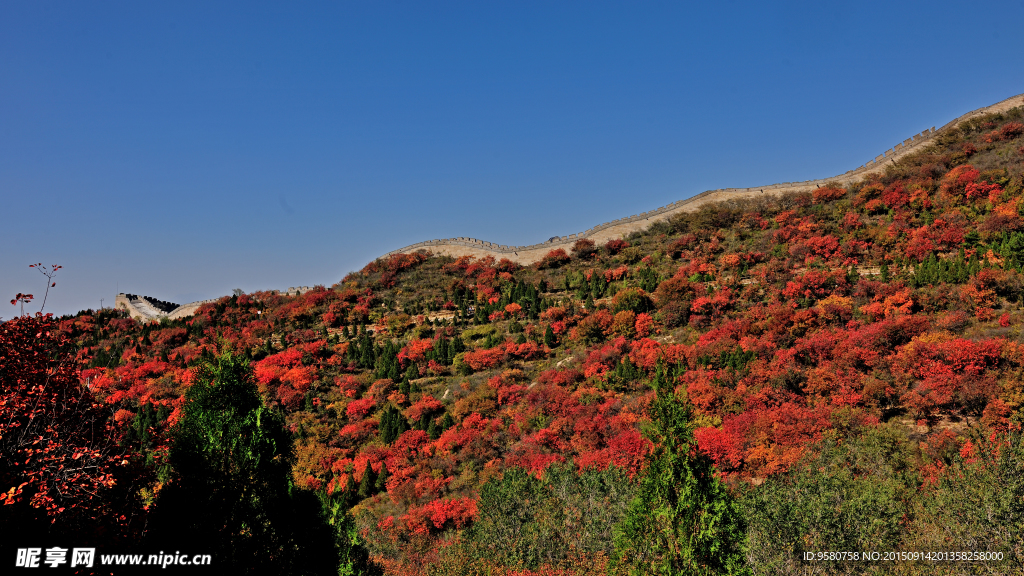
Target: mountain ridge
x=529, y=254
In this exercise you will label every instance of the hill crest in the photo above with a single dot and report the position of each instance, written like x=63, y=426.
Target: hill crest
x=525, y=255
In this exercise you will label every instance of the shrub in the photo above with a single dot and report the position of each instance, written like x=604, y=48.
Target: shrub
x=624, y=323
x=1009, y=131
x=594, y=327
x=559, y=520
x=827, y=194
x=478, y=332
x=633, y=299
x=845, y=496
x=359, y=409
x=675, y=313
x=553, y=259
x=460, y=366
x=485, y=358
x=633, y=254
x=613, y=247
x=584, y=248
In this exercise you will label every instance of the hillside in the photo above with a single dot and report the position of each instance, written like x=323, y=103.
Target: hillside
x=848, y=358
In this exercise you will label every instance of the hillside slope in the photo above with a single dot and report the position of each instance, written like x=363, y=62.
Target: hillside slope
x=850, y=359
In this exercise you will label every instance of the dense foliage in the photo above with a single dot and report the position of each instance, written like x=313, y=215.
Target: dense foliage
x=834, y=370
x=230, y=489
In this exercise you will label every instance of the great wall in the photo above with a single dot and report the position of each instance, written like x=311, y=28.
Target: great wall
x=618, y=228
x=149, y=309
x=145, y=308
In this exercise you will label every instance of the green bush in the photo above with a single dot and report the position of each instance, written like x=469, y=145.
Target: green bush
x=634, y=299
x=477, y=332
x=553, y=520
x=853, y=495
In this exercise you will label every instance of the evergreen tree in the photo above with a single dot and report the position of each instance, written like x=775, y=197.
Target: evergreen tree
x=366, y=352
x=230, y=490
x=625, y=373
x=144, y=421
x=411, y=373
x=392, y=425
x=492, y=340
x=549, y=337
x=386, y=364
x=440, y=351
x=648, y=278
x=457, y=347
x=682, y=521
x=350, y=491
x=354, y=559
x=382, y=479
x=583, y=290
x=446, y=422
x=367, y=483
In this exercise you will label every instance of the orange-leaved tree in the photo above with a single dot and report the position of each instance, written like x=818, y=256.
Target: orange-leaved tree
x=62, y=468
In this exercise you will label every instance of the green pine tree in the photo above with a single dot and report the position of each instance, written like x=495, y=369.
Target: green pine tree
x=852, y=276
x=447, y=422
x=549, y=337
x=367, y=483
x=229, y=489
x=682, y=521
x=382, y=478
x=350, y=491
x=392, y=424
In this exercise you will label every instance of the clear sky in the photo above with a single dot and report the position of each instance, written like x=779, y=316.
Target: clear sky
x=182, y=149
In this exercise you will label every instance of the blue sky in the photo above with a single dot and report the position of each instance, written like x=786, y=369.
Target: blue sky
x=181, y=151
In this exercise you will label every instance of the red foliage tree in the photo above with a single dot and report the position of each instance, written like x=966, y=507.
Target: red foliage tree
x=583, y=248
x=426, y=406
x=553, y=259
x=613, y=247
x=359, y=409
x=60, y=460
x=828, y=193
